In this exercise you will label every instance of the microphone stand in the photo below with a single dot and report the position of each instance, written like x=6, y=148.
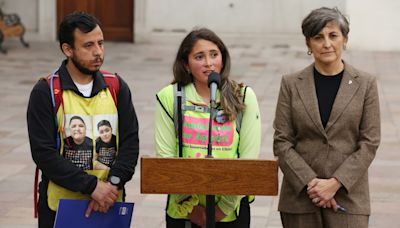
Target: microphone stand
x=210, y=199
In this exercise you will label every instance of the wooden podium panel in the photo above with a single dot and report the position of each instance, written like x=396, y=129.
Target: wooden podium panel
x=209, y=176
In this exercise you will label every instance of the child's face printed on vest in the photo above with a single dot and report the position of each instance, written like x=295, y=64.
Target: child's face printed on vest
x=78, y=131
x=105, y=133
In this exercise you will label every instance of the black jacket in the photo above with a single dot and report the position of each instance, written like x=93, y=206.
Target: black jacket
x=42, y=136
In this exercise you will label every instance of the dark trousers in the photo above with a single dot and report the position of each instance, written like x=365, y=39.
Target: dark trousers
x=242, y=221
x=46, y=216
x=324, y=218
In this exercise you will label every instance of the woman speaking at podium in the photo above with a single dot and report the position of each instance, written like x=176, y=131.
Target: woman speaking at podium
x=237, y=119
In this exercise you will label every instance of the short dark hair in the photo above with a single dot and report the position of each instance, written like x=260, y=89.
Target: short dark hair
x=104, y=123
x=77, y=118
x=318, y=18
x=81, y=20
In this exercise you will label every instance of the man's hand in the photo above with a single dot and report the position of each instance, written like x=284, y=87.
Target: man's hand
x=103, y=197
x=198, y=215
x=95, y=206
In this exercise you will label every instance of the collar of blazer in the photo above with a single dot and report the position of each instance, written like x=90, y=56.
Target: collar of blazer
x=306, y=89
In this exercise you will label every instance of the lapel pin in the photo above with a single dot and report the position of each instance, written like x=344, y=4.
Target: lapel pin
x=350, y=81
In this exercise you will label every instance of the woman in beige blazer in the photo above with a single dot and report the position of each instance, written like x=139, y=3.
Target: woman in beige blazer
x=327, y=130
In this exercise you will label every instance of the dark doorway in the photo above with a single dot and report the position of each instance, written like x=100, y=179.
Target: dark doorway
x=116, y=16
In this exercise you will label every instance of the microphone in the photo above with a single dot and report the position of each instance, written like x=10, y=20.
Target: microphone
x=214, y=81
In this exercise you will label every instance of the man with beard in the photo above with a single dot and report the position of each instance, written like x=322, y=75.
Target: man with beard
x=81, y=89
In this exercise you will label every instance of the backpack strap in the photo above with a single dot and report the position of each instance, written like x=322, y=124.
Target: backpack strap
x=56, y=100
x=197, y=108
x=179, y=102
x=53, y=82
x=113, y=84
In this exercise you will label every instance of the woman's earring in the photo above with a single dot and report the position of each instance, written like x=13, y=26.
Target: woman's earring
x=188, y=71
x=309, y=52
x=344, y=47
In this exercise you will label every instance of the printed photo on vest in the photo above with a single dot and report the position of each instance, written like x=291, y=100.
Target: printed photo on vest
x=106, y=140
x=78, y=147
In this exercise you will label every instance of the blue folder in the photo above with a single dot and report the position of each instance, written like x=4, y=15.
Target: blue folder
x=71, y=213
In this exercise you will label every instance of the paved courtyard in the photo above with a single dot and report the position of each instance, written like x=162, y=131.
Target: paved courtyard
x=147, y=68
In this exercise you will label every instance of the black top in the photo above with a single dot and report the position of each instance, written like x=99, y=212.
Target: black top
x=106, y=152
x=326, y=88
x=80, y=155
x=42, y=136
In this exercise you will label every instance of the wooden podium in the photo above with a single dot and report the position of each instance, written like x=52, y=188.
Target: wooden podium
x=208, y=176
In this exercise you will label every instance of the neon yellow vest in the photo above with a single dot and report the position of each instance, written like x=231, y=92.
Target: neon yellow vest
x=225, y=142
x=92, y=111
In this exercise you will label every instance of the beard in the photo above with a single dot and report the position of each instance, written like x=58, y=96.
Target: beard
x=81, y=68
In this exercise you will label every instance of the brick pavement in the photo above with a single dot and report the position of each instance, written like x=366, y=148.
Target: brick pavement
x=147, y=68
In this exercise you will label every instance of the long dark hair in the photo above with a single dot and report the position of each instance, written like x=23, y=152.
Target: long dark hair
x=231, y=98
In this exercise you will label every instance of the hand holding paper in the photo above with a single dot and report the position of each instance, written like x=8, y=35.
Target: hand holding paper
x=71, y=213
x=103, y=197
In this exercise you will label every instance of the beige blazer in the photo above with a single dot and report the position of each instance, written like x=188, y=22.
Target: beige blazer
x=344, y=149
